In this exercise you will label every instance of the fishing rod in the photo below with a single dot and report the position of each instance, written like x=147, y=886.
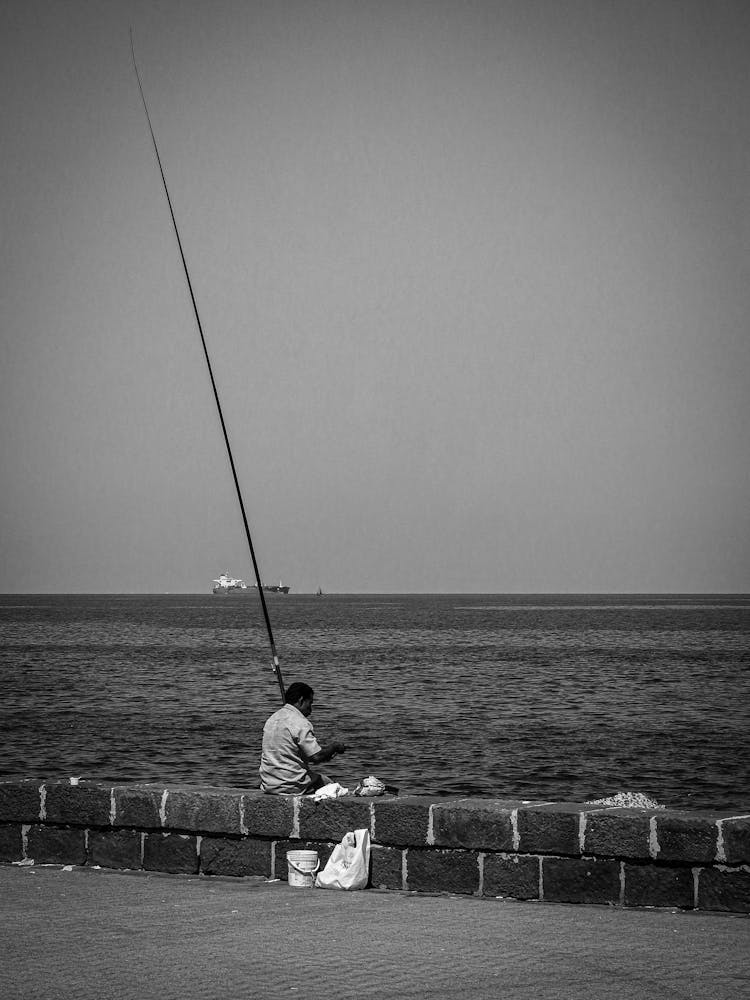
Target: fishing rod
x=274, y=657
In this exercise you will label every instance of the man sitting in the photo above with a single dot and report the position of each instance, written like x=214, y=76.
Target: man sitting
x=290, y=747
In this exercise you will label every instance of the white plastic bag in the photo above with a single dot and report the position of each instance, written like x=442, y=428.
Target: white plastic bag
x=349, y=864
x=333, y=790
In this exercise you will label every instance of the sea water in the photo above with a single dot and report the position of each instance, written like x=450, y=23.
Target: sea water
x=538, y=697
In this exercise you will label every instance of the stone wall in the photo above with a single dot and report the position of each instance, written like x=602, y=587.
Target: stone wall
x=558, y=852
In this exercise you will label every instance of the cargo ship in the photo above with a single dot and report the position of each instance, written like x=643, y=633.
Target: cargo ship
x=226, y=584
x=272, y=588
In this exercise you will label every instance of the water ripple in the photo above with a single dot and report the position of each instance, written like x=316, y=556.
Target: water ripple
x=543, y=697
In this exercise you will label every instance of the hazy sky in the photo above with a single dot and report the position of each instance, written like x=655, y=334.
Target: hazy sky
x=473, y=276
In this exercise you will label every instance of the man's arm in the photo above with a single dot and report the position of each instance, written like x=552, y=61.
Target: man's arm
x=327, y=753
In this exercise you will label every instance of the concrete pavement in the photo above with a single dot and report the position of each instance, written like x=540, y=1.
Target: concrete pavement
x=88, y=933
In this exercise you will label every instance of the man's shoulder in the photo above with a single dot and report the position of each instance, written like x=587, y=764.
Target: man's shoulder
x=276, y=717
x=289, y=716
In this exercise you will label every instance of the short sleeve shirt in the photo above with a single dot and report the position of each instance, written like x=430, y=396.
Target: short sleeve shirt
x=288, y=744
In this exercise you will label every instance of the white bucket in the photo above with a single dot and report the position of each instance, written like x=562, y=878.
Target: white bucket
x=302, y=868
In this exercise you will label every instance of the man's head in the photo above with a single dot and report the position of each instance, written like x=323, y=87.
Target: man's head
x=301, y=696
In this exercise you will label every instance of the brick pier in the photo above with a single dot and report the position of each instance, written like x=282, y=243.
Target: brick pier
x=545, y=851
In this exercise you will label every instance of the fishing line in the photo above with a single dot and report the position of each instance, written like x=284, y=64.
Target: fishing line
x=274, y=657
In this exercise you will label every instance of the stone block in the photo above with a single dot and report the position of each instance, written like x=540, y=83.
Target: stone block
x=11, y=842
x=618, y=833
x=483, y=824
x=735, y=836
x=442, y=871
x=115, y=848
x=511, y=875
x=51, y=845
x=724, y=888
x=549, y=828
x=580, y=880
x=687, y=837
x=386, y=864
x=403, y=821
x=332, y=818
x=19, y=801
x=231, y=856
x=655, y=885
x=170, y=852
x=280, y=847
x=268, y=815
x=86, y=804
x=138, y=806
x=199, y=810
